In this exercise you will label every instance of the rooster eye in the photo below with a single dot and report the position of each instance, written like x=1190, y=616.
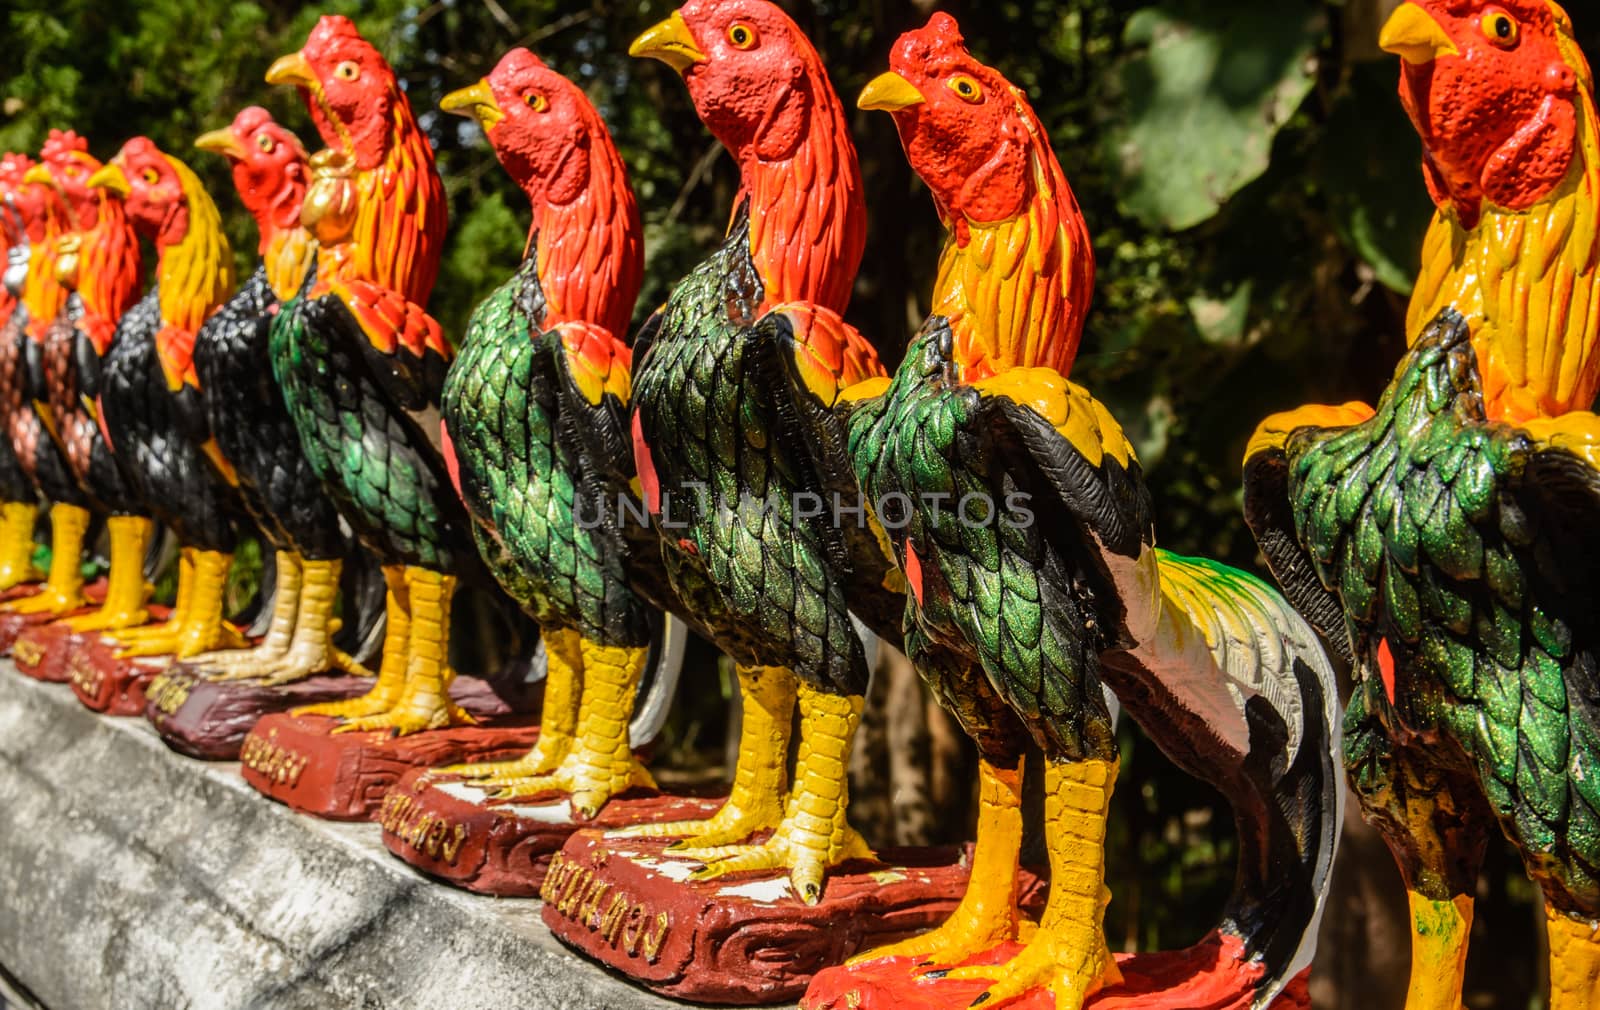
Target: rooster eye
x=536, y=101
x=347, y=71
x=966, y=88
x=150, y=176
x=1501, y=29
x=265, y=143
x=742, y=36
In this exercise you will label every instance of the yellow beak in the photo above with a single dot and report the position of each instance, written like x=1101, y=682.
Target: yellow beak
x=476, y=101
x=889, y=92
x=671, y=42
x=111, y=179
x=38, y=174
x=222, y=142
x=292, y=69
x=1413, y=35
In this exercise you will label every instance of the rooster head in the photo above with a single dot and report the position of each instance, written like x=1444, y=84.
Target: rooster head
x=1493, y=88
x=967, y=131
x=151, y=189
x=751, y=72
x=540, y=125
x=348, y=87
x=269, y=167
x=22, y=203
x=65, y=166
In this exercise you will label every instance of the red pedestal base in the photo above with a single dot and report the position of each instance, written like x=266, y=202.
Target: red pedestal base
x=300, y=762
x=444, y=827
x=14, y=625
x=744, y=939
x=209, y=720
x=42, y=653
x=1211, y=975
x=104, y=682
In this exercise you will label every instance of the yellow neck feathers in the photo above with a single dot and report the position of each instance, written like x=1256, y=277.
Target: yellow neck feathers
x=1017, y=292
x=196, y=271
x=1529, y=285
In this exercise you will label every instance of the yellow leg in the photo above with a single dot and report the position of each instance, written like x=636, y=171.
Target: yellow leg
x=558, y=717
x=424, y=701
x=126, y=591
x=313, y=651
x=601, y=763
x=1574, y=961
x=201, y=627
x=242, y=664
x=813, y=836
x=63, y=590
x=16, y=543
x=392, y=671
x=756, y=801
x=987, y=915
x=1068, y=954
x=1439, y=934
x=167, y=629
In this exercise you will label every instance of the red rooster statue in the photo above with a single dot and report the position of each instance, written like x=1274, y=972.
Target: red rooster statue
x=19, y=502
x=734, y=382
x=362, y=365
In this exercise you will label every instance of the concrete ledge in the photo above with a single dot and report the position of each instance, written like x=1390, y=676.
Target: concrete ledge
x=132, y=877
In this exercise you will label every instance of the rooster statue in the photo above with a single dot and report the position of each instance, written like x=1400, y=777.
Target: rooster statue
x=100, y=262
x=735, y=380
x=149, y=402
x=1445, y=539
x=362, y=365
x=246, y=413
x=21, y=398
x=19, y=502
x=1044, y=582
x=537, y=395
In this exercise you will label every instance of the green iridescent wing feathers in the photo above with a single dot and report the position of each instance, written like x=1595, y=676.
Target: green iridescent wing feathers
x=1467, y=548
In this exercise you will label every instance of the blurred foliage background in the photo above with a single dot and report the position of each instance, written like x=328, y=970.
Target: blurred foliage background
x=1257, y=207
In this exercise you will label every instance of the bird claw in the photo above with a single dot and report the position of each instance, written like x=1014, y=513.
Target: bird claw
x=47, y=601
x=1072, y=968
x=728, y=826
x=405, y=720
x=102, y=621
x=349, y=708
x=149, y=645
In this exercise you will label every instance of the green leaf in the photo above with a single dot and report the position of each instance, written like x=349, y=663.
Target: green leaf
x=1369, y=163
x=1207, y=90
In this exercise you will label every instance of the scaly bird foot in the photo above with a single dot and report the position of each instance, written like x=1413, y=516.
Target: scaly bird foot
x=728, y=826
x=963, y=936
x=369, y=704
x=490, y=775
x=404, y=720
x=210, y=636
x=12, y=576
x=235, y=664
x=47, y=601
x=1073, y=963
x=807, y=856
x=108, y=620
x=591, y=780
x=150, y=645
x=302, y=663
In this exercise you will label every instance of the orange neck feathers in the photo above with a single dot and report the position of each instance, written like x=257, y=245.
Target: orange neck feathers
x=591, y=256
x=42, y=293
x=400, y=222
x=1016, y=291
x=807, y=211
x=110, y=272
x=195, y=276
